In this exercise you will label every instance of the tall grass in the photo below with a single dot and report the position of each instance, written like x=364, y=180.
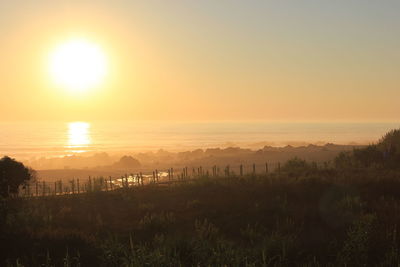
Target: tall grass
x=299, y=216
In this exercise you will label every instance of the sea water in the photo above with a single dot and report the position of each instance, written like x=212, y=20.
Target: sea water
x=52, y=139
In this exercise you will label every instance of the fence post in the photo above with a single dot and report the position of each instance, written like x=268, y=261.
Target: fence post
x=266, y=167
x=254, y=169
x=279, y=168
x=43, y=188
x=77, y=184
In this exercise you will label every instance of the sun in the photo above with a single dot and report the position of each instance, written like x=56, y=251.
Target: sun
x=78, y=65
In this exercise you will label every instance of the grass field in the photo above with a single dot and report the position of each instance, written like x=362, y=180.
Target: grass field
x=300, y=217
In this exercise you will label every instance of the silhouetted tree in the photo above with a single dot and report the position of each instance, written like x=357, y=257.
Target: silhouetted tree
x=12, y=175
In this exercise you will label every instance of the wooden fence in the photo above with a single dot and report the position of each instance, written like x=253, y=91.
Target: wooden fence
x=168, y=176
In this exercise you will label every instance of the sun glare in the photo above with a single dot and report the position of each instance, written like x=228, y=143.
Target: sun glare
x=78, y=136
x=78, y=65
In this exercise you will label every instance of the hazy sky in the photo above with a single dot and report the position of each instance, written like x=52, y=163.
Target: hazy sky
x=207, y=60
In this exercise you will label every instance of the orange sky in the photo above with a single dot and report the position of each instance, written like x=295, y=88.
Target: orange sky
x=203, y=60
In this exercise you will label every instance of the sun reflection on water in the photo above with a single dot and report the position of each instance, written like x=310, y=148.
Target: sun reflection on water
x=78, y=136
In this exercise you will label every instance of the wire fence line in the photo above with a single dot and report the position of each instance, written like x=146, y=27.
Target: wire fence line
x=145, y=177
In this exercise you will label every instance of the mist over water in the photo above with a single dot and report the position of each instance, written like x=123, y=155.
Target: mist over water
x=37, y=139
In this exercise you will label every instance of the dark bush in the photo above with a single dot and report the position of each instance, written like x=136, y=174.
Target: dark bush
x=12, y=175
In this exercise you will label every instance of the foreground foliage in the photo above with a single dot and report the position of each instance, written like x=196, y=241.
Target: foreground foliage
x=302, y=216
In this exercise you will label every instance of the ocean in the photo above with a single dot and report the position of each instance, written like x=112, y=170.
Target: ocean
x=24, y=140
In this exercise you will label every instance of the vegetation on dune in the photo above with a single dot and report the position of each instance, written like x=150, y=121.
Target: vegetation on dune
x=345, y=214
x=384, y=154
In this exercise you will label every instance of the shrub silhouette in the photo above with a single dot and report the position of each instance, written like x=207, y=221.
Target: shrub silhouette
x=390, y=142
x=127, y=162
x=344, y=160
x=12, y=175
x=369, y=156
x=297, y=166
